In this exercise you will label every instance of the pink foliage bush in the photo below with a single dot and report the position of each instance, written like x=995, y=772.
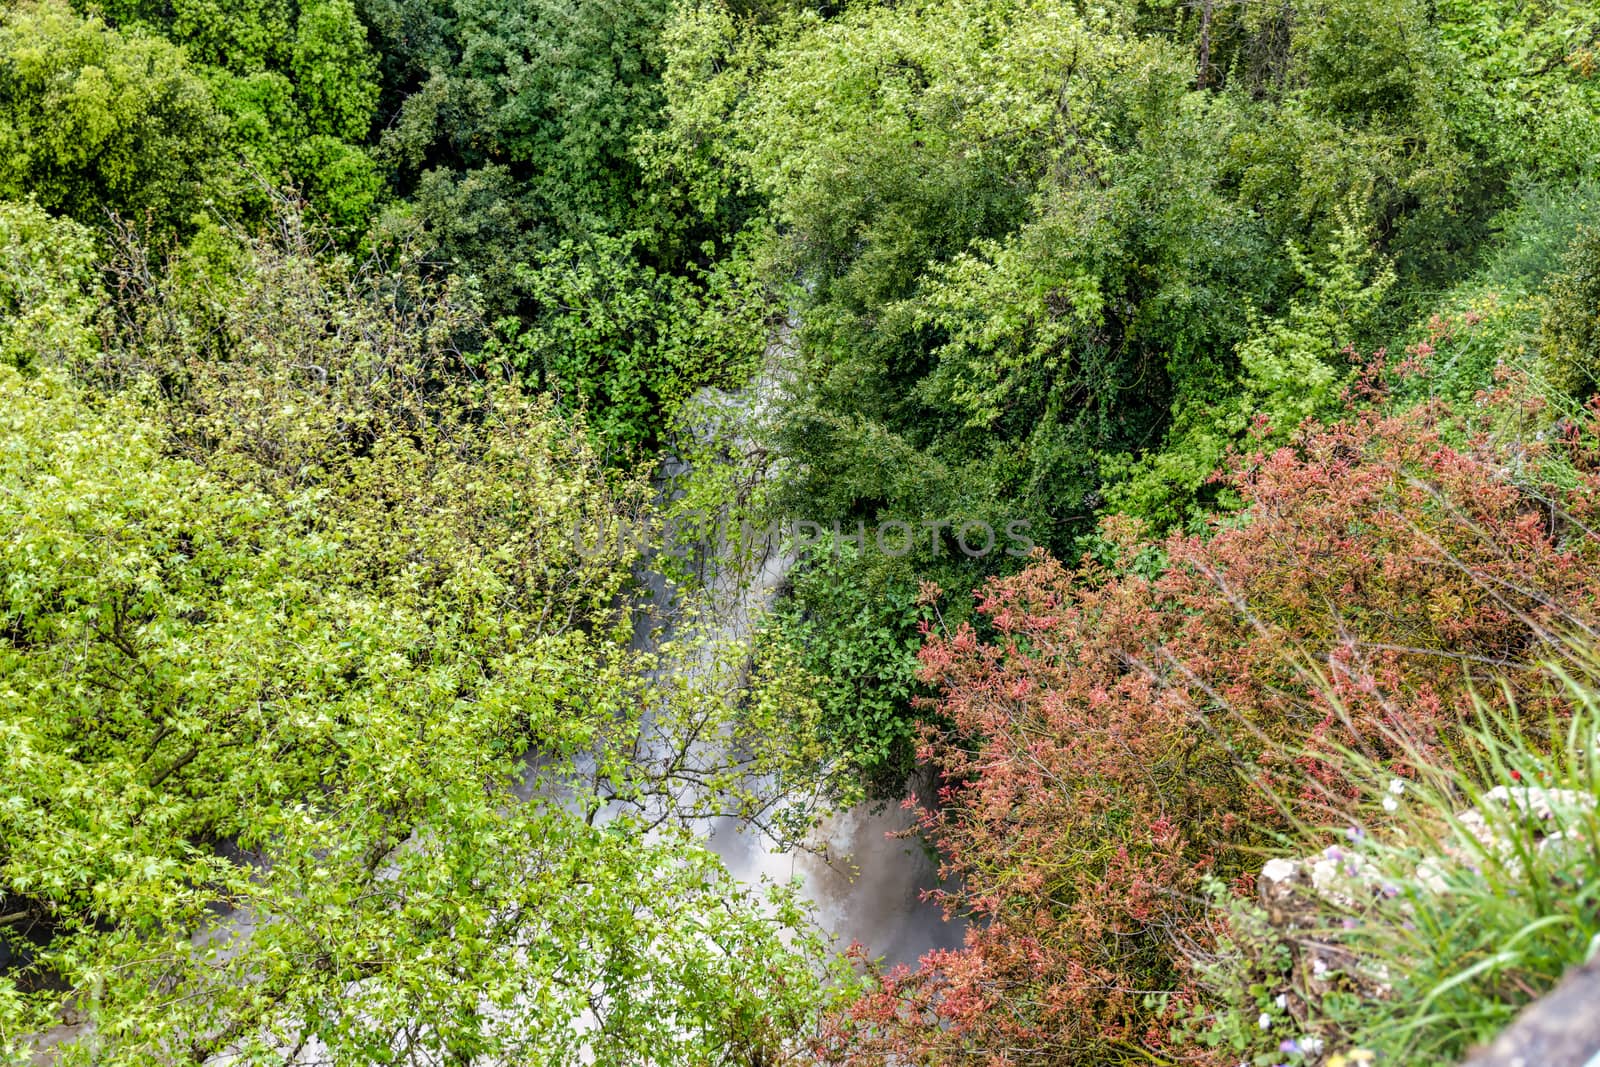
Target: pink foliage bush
x=1105, y=738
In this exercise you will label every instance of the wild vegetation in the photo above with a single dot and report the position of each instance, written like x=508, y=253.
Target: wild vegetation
x=326, y=326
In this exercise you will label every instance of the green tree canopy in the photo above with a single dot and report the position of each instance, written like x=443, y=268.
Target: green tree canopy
x=285, y=605
x=95, y=120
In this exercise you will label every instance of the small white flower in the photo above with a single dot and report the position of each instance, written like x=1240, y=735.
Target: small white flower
x=1265, y=1022
x=1390, y=804
x=1281, y=1000
x=1310, y=1045
x=1397, y=786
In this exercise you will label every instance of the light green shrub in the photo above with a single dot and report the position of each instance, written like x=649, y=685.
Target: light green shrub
x=49, y=292
x=1570, y=336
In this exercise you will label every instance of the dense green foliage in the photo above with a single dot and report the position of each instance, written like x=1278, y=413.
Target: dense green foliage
x=93, y=120
x=627, y=342
x=296, y=591
x=47, y=287
x=1033, y=236
x=294, y=84
x=1572, y=323
x=860, y=644
x=512, y=130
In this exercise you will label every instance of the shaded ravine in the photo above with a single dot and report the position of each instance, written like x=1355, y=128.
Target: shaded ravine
x=864, y=870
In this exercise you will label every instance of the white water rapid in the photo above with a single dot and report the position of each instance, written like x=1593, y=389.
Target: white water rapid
x=864, y=875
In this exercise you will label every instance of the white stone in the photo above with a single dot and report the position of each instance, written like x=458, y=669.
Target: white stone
x=1540, y=802
x=1280, y=870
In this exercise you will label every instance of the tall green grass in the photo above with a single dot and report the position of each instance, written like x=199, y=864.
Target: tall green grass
x=1462, y=891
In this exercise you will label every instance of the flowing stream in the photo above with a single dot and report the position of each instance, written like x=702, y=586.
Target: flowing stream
x=864, y=874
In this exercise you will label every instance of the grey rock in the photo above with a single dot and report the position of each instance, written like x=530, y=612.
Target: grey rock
x=1560, y=1030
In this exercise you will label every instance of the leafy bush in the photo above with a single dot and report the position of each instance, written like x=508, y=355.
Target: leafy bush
x=1527, y=92
x=95, y=120
x=1537, y=233
x=1109, y=744
x=1491, y=321
x=1571, y=331
x=514, y=129
x=48, y=288
x=627, y=344
x=1289, y=372
x=295, y=85
x=857, y=633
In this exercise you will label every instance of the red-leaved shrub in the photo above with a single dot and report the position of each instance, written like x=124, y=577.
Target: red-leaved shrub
x=1110, y=738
